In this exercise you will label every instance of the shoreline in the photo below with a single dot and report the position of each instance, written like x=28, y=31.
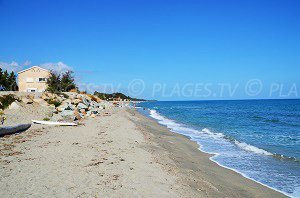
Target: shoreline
x=126, y=154
x=216, y=154
x=210, y=156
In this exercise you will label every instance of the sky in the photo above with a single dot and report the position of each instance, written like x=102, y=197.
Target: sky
x=160, y=49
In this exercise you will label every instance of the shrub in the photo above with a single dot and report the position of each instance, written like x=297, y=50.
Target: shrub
x=46, y=119
x=56, y=103
x=65, y=95
x=6, y=100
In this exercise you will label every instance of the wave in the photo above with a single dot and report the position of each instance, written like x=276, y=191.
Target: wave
x=175, y=127
x=248, y=147
x=192, y=133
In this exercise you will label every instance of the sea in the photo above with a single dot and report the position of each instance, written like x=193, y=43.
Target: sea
x=260, y=139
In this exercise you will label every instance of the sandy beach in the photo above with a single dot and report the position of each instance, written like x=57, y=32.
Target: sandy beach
x=122, y=155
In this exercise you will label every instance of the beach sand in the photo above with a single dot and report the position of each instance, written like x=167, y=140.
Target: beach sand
x=122, y=155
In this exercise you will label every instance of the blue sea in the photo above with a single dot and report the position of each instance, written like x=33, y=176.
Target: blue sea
x=259, y=139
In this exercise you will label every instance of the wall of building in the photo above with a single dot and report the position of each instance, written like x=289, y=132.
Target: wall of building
x=32, y=74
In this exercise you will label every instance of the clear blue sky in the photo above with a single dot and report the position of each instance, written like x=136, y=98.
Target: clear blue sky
x=159, y=41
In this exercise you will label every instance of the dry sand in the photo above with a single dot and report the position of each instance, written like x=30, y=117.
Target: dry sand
x=122, y=155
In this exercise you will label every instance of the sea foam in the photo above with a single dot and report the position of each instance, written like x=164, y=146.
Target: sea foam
x=175, y=127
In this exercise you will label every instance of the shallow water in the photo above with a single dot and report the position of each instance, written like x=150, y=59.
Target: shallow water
x=258, y=138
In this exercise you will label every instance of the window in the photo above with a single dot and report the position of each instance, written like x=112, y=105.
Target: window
x=31, y=90
x=42, y=80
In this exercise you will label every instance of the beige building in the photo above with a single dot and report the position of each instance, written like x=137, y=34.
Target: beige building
x=33, y=79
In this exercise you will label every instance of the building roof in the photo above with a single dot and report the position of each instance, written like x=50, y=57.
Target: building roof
x=31, y=68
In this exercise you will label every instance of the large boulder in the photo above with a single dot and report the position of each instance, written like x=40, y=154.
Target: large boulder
x=45, y=96
x=88, y=113
x=14, y=105
x=65, y=106
x=85, y=99
x=82, y=106
x=93, y=116
x=66, y=113
x=77, y=115
x=40, y=101
x=76, y=101
x=27, y=100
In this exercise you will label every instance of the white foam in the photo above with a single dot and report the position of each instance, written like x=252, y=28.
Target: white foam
x=212, y=134
x=248, y=147
x=162, y=120
x=175, y=127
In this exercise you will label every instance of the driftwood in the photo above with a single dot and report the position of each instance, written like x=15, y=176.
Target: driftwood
x=7, y=130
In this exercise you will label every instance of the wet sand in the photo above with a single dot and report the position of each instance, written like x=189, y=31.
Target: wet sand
x=122, y=155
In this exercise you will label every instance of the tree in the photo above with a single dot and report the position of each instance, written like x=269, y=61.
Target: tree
x=12, y=83
x=4, y=77
x=53, y=82
x=61, y=83
x=1, y=73
x=68, y=81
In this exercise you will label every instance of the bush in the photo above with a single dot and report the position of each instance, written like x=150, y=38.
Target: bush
x=6, y=100
x=46, y=119
x=64, y=95
x=56, y=103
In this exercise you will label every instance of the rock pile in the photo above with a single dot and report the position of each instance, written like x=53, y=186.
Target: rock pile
x=75, y=106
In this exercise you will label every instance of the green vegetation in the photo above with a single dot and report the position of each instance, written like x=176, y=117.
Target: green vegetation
x=6, y=100
x=8, y=81
x=64, y=95
x=56, y=103
x=58, y=83
x=105, y=96
x=46, y=119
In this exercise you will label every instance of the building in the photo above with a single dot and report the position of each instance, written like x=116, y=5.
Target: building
x=33, y=79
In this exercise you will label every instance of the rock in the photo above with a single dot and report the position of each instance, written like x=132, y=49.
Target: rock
x=50, y=95
x=79, y=96
x=86, y=100
x=40, y=101
x=45, y=96
x=65, y=113
x=82, y=106
x=98, y=100
x=60, y=99
x=88, y=113
x=52, y=106
x=55, y=111
x=60, y=109
x=94, y=111
x=94, y=104
x=77, y=115
x=14, y=105
x=93, y=116
x=27, y=100
x=66, y=105
x=30, y=97
x=76, y=101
